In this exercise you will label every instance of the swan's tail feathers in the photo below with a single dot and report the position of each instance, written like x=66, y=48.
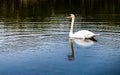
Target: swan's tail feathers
x=97, y=34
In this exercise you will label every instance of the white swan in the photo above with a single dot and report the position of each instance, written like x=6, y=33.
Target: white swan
x=83, y=34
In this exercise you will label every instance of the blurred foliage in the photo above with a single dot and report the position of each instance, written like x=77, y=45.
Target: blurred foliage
x=37, y=10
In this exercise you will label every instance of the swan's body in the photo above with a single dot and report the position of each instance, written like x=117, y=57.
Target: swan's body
x=83, y=34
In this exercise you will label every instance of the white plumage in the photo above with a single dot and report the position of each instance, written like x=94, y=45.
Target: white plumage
x=83, y=34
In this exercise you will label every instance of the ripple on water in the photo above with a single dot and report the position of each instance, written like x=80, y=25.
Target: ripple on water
x=17, y=42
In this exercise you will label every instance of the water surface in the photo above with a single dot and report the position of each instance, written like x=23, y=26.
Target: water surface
x=37, y=43
x=43, y=48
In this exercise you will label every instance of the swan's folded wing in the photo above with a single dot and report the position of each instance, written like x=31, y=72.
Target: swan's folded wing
x=84, y=34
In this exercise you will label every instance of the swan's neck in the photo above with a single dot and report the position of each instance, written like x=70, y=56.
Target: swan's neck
x=71, y=28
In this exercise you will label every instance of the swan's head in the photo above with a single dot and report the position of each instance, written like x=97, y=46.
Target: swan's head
x=71, y=16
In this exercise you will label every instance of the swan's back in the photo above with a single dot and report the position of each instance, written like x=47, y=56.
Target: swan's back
x=84, y=34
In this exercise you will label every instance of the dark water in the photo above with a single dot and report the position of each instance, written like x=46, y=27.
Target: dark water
x=34, y=38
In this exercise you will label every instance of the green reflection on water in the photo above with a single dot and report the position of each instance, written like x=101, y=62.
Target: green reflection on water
x=38, y=10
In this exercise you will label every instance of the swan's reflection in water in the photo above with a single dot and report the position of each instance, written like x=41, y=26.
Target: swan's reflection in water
x=80, y=42
x=71, y=56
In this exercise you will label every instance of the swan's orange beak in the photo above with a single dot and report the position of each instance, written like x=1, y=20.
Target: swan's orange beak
x=69, y=17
